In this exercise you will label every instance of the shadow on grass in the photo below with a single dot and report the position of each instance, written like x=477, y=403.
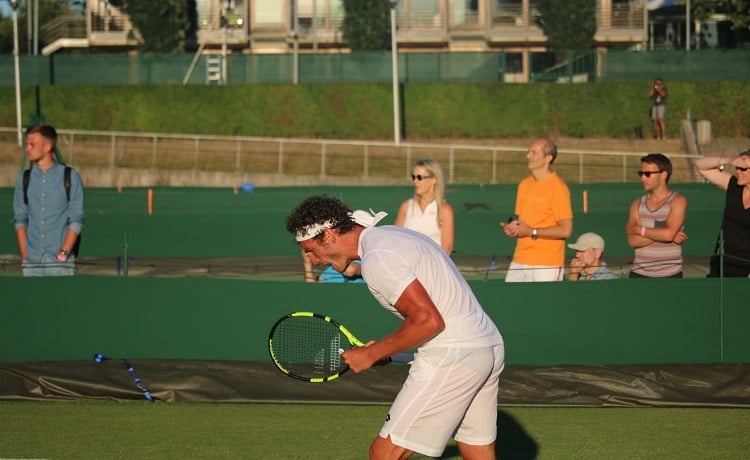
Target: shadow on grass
x=513, y=442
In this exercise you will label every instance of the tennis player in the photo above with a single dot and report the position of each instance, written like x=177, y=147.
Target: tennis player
x=452, y=387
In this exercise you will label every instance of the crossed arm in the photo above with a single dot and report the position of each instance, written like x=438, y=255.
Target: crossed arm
x=640, y=236
x=519, y=229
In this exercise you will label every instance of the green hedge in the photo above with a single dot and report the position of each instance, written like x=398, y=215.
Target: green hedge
x=364, y=111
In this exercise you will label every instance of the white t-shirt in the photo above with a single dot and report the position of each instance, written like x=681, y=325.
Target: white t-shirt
x=393, y=257
x=423, y=222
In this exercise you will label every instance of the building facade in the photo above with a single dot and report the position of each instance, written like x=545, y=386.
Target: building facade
x=276, y=26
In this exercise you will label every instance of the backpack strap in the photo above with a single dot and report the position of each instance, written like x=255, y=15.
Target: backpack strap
x=67, y=181
x=27, y=175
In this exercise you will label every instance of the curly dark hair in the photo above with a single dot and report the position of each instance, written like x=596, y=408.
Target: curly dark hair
x=318, y=209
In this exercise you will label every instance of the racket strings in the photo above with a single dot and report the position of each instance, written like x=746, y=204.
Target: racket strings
x=308, y=347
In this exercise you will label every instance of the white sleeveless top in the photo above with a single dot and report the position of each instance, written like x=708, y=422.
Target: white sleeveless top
x=425, y=222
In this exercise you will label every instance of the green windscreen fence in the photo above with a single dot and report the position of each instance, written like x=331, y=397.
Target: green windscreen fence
x=676, y=65
x=187, y=222
x=122, y=69
x=603, y=322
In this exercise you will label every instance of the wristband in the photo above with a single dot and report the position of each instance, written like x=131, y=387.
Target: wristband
x=643, y=231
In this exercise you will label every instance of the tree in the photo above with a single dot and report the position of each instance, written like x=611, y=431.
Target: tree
x=48, y=10
x=367, y=25
x=738, y=11
x=162, y=26
x=568, y=24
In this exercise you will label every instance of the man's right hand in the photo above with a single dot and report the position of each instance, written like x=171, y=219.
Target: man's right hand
x=510, y=229
x=576, y=265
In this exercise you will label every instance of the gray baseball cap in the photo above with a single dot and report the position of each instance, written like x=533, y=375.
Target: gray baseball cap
x=588, y=241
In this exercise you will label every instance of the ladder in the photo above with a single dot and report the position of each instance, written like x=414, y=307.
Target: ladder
x=214, y=74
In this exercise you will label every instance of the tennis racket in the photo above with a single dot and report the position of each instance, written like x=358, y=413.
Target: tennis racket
x=307, y=346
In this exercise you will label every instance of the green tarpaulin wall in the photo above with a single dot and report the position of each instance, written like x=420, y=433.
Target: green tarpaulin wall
x=613, y=322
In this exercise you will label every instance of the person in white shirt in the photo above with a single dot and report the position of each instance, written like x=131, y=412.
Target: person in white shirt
x=452, y=387
x=428, y=212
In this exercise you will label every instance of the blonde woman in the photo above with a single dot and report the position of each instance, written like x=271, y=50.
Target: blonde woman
x=428, y=212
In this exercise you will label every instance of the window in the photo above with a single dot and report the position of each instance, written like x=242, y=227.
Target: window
x=268, y=13
x=465, y=12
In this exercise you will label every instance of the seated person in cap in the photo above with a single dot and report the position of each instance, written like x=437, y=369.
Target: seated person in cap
x=587, y=264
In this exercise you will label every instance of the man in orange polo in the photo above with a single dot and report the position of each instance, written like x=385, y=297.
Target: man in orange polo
x=545, y=219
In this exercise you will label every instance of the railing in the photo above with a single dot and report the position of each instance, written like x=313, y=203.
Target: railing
x=515, y=15
x=328, y=161
x=106, y=17
x=63, y=27
x=576, y=69
x=625, y=16
x=108, y=23
x=621, y=15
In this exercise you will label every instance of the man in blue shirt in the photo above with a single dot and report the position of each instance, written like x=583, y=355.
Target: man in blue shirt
x=587, y=264
x=48, y=222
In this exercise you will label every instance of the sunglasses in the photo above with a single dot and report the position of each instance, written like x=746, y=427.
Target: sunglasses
x=740, y=168
x=419, y=177
x=648, y=173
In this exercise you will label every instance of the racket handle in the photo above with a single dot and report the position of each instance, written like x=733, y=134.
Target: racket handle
x=384, y=361
x=397, y=358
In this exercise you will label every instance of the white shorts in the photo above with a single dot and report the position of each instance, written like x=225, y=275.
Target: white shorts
x=658, y=111
x=450, y=392
x=518, y=273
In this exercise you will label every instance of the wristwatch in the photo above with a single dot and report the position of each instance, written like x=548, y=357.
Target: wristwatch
x=64, y=252
x=533, y=234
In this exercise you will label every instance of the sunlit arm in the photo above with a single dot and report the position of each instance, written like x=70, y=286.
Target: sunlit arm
x=22, y=239
x=712, y=168
x=447, y=227
x=422, y=321
x=560, y=231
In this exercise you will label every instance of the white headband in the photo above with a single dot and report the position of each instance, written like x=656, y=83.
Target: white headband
x=311, y=231
x=360, y=217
